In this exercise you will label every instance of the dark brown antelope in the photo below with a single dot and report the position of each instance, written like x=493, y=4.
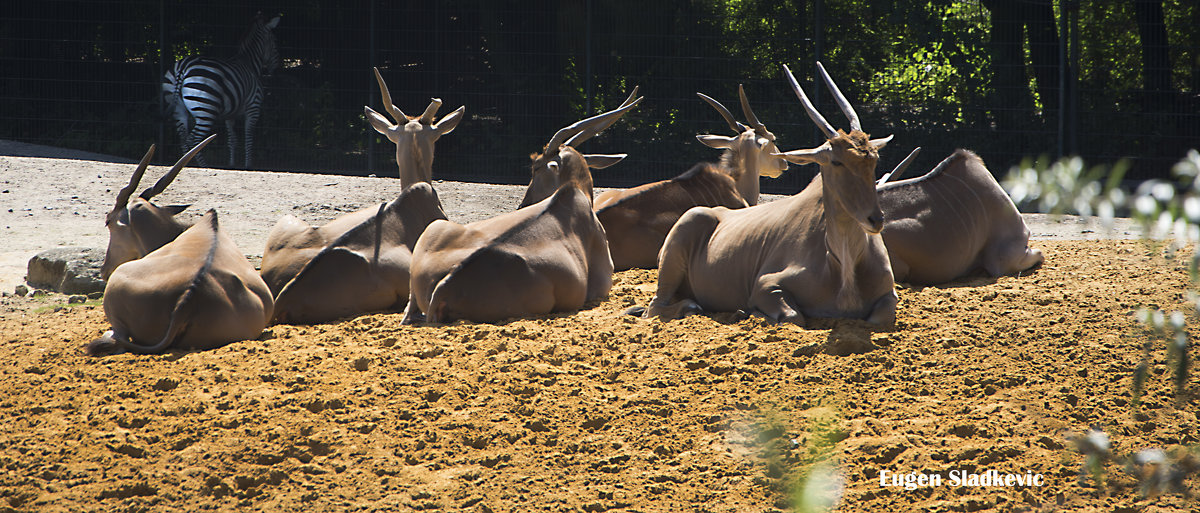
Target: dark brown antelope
x=550, y=255
x=171, y=286
x=815, y=254
x=359, y=262
x=637, y=220
x=953, y=221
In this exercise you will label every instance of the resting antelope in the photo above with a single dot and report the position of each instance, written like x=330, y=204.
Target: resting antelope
x=818, y=253
x=637, y=220
x=359, y=262
x=174, y=286
x=550, y=255
x=952, y=221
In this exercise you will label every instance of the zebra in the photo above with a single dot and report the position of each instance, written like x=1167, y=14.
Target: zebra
x=199, y=91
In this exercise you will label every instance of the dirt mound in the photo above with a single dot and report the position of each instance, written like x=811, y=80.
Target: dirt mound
x=596, y=411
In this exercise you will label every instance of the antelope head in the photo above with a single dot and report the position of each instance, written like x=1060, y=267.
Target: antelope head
x=413, y=136
x=753, y=148
x=138, y=227
x=560, y=163
x=847, y=160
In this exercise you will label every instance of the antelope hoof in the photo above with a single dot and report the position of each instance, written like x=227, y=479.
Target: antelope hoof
x=638, y=311
x=411, y=319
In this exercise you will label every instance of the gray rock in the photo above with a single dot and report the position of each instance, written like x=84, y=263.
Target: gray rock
x=77, y=298
x=72, y=270
x=21, y=291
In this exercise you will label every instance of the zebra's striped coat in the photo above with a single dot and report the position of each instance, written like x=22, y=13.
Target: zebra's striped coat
x=200, y=91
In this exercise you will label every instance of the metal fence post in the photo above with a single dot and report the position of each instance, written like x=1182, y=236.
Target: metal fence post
x=1063, y=33
x=162, y=71
x=370, y=89
x=587, y=58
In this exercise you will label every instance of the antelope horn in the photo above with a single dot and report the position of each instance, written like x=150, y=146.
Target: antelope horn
x=127, y=191
x=585, y=129
x=166, y=179
x=434, y=105
x=817, y=118
x=900, y=168
x=841, y=99
x=387, y=99
x=758, y=126
x=586, y=134
x=734, y=124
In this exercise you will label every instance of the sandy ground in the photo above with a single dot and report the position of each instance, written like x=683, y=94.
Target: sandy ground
x=592, y=411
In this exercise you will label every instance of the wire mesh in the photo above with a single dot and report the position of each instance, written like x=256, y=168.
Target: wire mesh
x=1005, y=79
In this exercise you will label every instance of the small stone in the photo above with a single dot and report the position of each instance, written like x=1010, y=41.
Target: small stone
x=38, y=293
x=362, y=364
x=77, y=298
x=21, y=290
x=95, y=295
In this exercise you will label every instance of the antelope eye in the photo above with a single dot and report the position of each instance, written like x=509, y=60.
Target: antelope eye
x=837, y=163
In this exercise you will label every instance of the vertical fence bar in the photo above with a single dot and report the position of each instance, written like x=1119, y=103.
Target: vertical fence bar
x=587, y=58
x=818, y=48
x=1073, y=78
x=370, y=87
x=1063, y=33
x=162, y=71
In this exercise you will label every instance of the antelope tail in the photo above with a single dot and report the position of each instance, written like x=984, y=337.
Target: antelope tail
x=179, y=323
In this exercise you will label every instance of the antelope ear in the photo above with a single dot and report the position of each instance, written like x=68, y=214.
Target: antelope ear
x=719, y=142
x=449, y=121
x=274, y=22
x=173, y=210
x=818, y=155
x=880, y=143
x=378, y=122
x=595, y=161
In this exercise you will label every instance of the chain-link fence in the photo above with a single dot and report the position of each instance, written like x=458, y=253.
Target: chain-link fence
x=1007, y=79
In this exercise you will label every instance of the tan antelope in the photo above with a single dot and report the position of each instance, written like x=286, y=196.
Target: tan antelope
x=359, y=262
x=550, y=255
x=637, y=220
x=171, y=285
x=954, y=220
x=815, y=254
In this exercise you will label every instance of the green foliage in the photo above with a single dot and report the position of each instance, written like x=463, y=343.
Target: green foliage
x=805, y=469
x=942, y=70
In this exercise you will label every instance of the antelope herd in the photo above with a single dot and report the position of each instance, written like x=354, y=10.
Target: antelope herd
x=835, y=249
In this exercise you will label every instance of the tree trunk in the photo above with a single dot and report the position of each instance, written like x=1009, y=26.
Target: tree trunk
x=1043, y=51
x=1156, y=57
x=1011, y=89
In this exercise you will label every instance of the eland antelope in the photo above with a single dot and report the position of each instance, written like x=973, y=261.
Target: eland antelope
x=359, y=262
x=550, y=255
x=817, y=253
x=952, y=221
x=174, y=286
x=637, y=220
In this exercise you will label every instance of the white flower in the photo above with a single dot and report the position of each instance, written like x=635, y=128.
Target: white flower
x=1145, y=206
